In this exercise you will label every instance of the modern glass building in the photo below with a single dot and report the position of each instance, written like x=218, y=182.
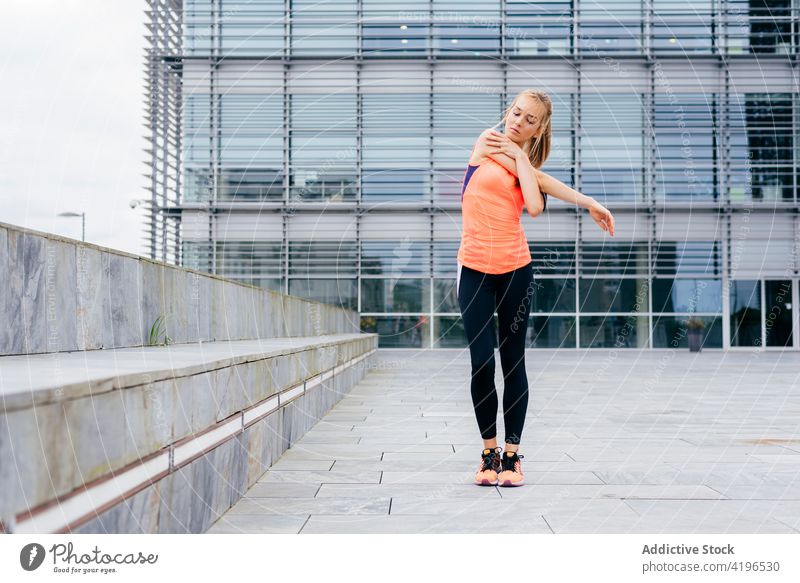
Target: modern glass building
x=318, y=148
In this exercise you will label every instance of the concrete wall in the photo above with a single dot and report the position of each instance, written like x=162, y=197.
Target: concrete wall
x=64, y=295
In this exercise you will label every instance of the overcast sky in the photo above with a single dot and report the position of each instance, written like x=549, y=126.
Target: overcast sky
x=71, y=114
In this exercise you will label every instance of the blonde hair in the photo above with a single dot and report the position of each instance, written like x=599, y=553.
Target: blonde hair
x=537, y=149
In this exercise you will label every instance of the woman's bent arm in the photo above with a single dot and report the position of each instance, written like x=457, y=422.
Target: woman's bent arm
x=534, y=199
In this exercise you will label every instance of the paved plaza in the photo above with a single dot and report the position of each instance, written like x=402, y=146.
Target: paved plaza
x=615, y=442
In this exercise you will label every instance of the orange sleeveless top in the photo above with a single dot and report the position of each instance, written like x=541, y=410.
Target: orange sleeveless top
x=492, y=237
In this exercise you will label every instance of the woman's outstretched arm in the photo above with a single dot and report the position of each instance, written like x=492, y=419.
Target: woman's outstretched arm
x=600, y=214
x=558, y=189
x=547, y=183
x=554, y=187
x=518, y=163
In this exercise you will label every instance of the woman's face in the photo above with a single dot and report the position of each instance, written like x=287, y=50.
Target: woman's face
x=524, y=119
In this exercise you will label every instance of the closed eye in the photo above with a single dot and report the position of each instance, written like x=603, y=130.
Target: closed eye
x=530, y=118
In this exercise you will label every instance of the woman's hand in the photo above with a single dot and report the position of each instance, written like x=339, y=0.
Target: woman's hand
x=501, y=143
x=602, y=216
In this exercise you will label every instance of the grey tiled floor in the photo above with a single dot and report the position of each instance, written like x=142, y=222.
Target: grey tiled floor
x=614, y=442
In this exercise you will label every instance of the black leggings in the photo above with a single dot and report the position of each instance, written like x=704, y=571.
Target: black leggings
x=479, y=295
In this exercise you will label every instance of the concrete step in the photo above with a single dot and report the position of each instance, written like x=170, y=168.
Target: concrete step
x=171, y=437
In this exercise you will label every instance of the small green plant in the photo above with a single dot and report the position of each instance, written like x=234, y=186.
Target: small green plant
x=368, y=323
x=695, y=324
x=157, y=330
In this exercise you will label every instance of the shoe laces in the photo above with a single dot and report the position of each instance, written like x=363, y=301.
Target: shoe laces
x=488, y=459
x=511, y=462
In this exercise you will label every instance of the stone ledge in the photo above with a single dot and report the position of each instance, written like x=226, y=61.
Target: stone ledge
x=41, y=379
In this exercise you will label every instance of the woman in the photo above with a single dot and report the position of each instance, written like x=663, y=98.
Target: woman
x=495, y=268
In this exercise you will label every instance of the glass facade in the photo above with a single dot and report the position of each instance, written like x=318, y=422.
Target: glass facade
x=322, y=147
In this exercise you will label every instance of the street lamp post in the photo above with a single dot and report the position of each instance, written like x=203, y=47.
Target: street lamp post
x=83, y=222
x=150, y=207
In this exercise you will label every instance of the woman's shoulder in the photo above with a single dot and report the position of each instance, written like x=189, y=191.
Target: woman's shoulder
x=480, y=150
x=477, y=157
x=475, y=160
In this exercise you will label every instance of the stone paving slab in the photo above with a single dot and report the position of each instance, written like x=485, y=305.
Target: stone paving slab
x=339, y=505
x=289, y=464
x=525, y=509
x=679, y=443
x=710, y=477
x=299, y=455
x=232, y=523
x=333, y=476
x=754, y=516
x=387, y=440
x=469, y=455
x=353, y=449
x=425, y=491
x=283, y=490
x=430, y=524
x=466, y=477
x=768, y=492
x=408, y=465
x=684, y=456
x=621, y=492
x=402, y=424
x=571, y=523
x=331, y=439
x=326, y=425
x=781, y=458
x=391, y=463
x=752, y=464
